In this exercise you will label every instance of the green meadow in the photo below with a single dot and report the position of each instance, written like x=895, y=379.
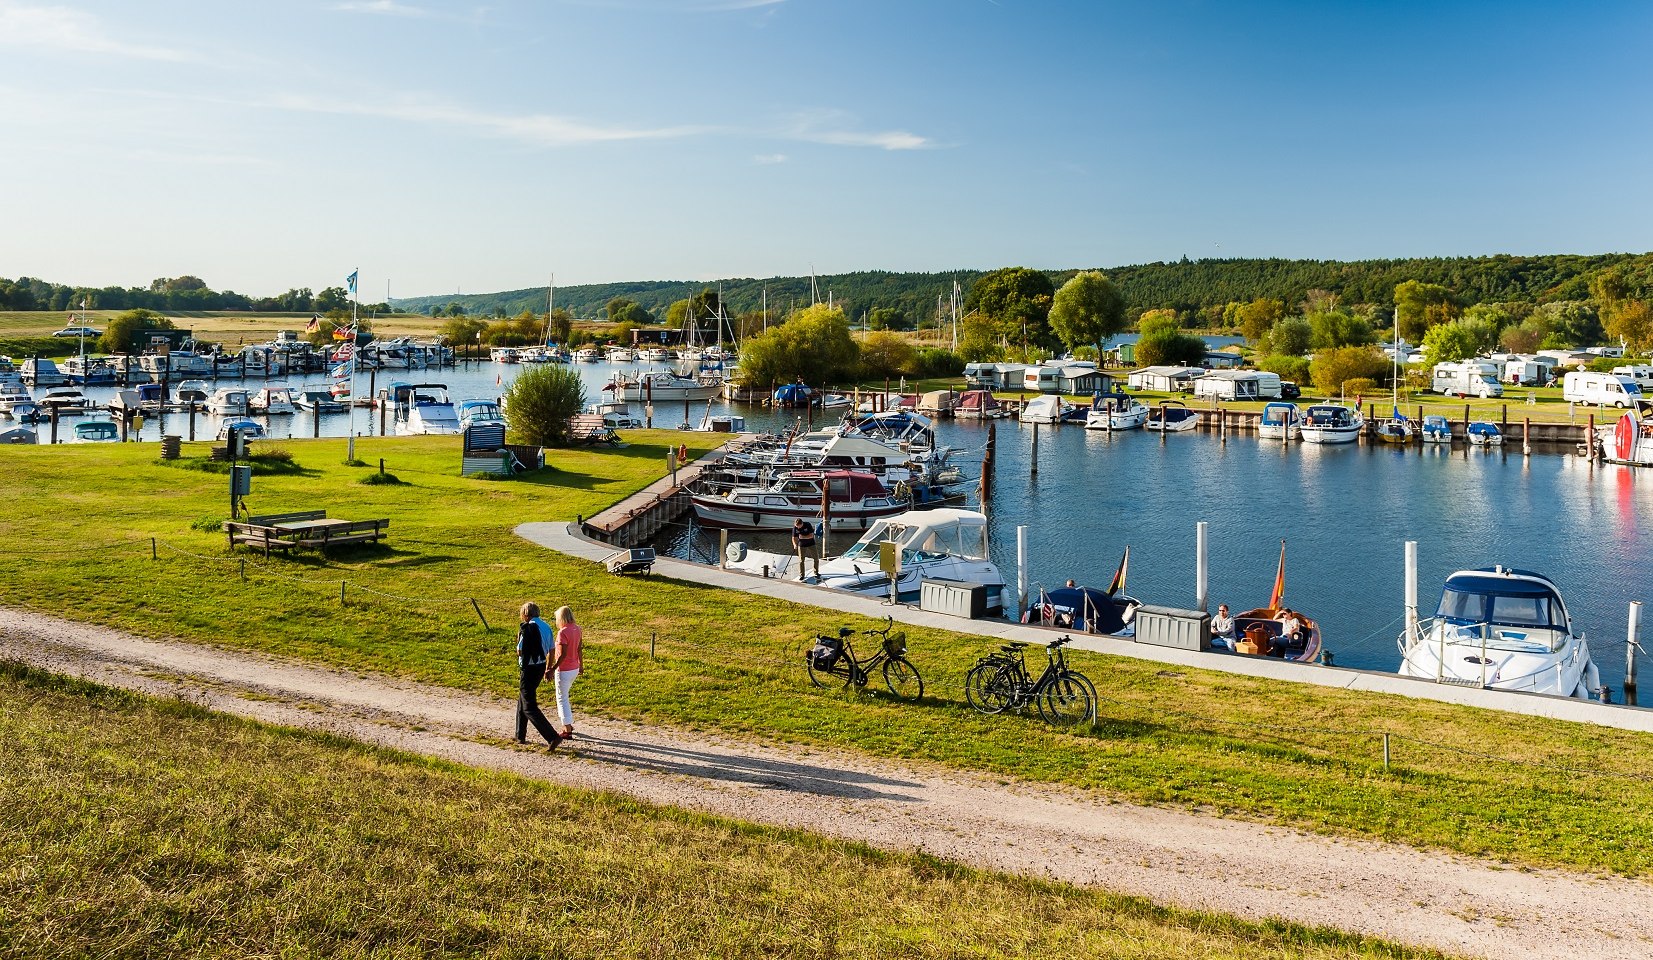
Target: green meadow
x=77, y=531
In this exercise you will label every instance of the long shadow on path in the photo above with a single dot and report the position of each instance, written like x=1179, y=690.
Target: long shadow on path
x=771, y=774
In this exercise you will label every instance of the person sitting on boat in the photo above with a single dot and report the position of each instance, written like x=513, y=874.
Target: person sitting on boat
x=1222, y=628
x=1291, y=628
x=803, y=542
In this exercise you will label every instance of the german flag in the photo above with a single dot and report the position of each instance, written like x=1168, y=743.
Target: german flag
x=1118, y=582
x=1279, y=592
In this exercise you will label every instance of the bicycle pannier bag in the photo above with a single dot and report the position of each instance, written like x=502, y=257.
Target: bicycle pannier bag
x=826, y=652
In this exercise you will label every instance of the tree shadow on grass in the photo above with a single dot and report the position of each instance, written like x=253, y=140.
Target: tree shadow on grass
x=724, y=768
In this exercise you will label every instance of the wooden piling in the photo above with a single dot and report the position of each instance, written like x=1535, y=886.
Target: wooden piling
x=1035, y=457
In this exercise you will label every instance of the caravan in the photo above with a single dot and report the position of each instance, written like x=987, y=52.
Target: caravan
x=1468, y=378
x=1600, y=389
x=1640, y=372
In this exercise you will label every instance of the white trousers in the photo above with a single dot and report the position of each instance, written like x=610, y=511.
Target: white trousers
x=565, y=680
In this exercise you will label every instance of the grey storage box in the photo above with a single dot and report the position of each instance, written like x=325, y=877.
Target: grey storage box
x=1169, y=627
x=953, y=597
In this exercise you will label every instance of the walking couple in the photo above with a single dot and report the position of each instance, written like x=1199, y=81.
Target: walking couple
x=541, y=651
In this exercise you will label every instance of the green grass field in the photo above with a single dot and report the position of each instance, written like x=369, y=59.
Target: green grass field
x=132, y=827
x=77, y=528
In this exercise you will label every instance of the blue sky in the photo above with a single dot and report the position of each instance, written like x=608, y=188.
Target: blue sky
x=470, y=147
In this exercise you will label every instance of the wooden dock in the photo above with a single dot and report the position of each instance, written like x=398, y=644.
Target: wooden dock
x=636, y=519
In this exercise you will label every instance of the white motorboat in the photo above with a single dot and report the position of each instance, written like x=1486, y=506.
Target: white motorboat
x=318, y=401
x=88, y=371
x=1504, y=629
x=274, y=400
x=854, y=500
x=1280, y=421
x=229, y=402
x=620, y=354
x=1049, y=409
x=1332, y=423
x=505, y=354
x=13, y=393
x=1629, y=440
x=942, y=544
x=616, y=415
x=38, y=372
x=422, y=408
x=251, y=429
x=1116, y=411
x=191, y=391
x=1171, y=416
x=97, y=431
x=659, y=385
x=1484, y=434
x=480, y=412
x=655, y=355
x=588, y=355
x=1436, y=429
x=66, y=401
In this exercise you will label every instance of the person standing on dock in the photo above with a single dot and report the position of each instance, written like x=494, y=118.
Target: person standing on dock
x=533, y=643
x=803, y=542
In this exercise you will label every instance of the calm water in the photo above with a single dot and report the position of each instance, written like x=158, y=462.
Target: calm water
x=1345, y=511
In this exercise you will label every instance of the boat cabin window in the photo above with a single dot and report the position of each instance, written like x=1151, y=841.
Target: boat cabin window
x=1502, y=610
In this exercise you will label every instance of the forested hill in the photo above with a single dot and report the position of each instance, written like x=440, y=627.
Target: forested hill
x=1187, y=285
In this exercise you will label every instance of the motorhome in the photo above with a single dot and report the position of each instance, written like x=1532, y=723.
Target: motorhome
x=1468, y=378
x=1639, y=372
x=1600, y=389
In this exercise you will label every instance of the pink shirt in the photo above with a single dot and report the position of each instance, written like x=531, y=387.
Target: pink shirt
x=569, y=639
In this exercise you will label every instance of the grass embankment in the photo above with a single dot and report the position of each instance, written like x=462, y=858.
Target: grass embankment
x=1249, y=748
x=139, y=827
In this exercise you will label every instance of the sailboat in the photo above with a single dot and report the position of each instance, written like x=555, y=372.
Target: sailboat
x=1397, y=429
x=1260, y=630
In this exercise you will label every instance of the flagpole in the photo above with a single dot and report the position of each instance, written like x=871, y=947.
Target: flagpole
x=355, y=272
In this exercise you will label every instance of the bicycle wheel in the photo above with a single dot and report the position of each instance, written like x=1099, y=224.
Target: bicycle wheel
x=837, y=676
x=1000, y=688
x=975, y=683
x=1067, y=701
x=902, y=678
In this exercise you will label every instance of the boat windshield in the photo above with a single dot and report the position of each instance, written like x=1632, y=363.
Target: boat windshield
x=1524, y=610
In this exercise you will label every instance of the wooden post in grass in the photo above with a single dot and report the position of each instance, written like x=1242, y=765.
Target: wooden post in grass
x=475, y=606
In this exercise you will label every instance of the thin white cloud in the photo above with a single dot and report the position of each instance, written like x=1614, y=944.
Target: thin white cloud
x=834, y=127
x=387, y=7
x=769, y=159
x=64, y=28
x=539, y=129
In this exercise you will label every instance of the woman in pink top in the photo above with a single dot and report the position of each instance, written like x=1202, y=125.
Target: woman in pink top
x=567, y=658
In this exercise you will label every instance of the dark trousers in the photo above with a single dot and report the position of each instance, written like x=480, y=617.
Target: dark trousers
x=528, y=707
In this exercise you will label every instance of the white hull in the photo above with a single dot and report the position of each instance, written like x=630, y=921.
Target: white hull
x=1330, y=435
x=1129, y=420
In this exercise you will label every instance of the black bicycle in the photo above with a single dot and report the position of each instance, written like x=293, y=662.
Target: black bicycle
x=831, y=662
x=1000, y=682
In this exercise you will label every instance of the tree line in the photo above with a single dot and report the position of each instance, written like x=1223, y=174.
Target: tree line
x=185, y=294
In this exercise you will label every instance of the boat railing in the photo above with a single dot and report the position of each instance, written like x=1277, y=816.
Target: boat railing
x=1440, y=631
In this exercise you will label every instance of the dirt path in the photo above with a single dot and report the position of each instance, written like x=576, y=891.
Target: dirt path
x=1452, y=903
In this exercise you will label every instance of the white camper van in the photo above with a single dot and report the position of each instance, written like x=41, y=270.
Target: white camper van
x=1465, y=379
x=1639, y=372
x=1600, y=389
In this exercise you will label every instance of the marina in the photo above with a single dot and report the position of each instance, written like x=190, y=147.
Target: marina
x=1345, y=509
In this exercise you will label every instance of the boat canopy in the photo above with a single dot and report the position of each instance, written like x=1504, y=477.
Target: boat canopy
x=1515, y=598
x=926, y=535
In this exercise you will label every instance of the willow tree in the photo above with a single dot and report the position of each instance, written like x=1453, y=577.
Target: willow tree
x=813, y=345
x=1087, y=310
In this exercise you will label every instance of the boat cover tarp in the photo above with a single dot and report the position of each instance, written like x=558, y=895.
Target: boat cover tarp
x=1071, y=606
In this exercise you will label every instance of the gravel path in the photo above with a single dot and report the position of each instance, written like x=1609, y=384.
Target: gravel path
x=1452, y=903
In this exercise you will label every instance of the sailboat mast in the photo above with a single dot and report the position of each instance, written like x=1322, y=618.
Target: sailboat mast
x=550, y=307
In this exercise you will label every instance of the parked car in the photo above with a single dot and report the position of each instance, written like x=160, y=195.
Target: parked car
x=78, y=332
x=1289, y=390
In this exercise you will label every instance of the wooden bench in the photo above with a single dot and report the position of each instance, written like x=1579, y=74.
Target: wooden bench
x=590, y=428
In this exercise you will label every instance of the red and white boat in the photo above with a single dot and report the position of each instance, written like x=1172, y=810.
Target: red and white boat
x=1629, y=440
x=852, y=500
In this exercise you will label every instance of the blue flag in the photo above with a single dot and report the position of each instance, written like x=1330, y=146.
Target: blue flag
x=350, y=281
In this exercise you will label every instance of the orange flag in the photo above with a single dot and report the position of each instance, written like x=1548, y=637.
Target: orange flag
x=1279, y=593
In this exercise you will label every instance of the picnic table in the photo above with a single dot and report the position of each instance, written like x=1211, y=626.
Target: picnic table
x=308, y=530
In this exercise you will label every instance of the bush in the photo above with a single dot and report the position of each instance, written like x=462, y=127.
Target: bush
x=383, y=479
x=935, y=362
x=1360, y=387
x=539, y=403
x=886, y=355
x=1165, y=348
x=1330, y=368
x=1606, y=364
x=1286, y=367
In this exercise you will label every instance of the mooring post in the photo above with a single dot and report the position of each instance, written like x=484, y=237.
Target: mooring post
x=1021, y=571
x=723, y=548
x=1631, y=643
x=1201, y=559
x=1590, y=441
x=1034, y=468
x=1526, y=436
x=1411, y=592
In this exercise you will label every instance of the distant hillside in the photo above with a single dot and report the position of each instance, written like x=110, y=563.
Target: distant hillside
x=1184, y=285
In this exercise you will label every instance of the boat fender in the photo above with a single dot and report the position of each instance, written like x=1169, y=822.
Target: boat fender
x=736, y=552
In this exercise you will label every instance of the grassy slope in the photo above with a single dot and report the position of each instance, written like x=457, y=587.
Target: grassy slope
x=136, y=827
x=731, y=661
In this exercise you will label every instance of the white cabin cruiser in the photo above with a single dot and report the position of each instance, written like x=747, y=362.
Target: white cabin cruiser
x=423, y=408
x=191, y=391
x=942, y=544
x=1280, y=421
x=274, y=400
x=1331, y=423
x=855, y=500
x=662, y=386
x=229, y=402
x=1503, y=629
x=1116, y=411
